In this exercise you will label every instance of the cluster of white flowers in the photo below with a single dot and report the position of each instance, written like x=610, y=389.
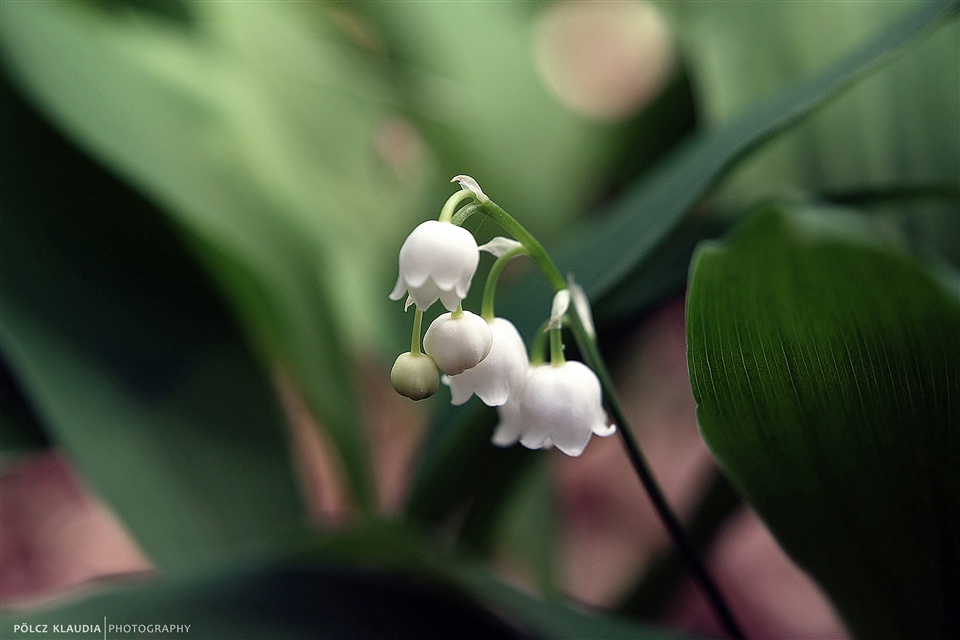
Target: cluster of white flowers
x=548, y=405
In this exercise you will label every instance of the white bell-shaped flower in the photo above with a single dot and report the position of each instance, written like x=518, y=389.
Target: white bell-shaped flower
x=437, y=261
x=498, y=375
x=560, y=406
x=458, y=342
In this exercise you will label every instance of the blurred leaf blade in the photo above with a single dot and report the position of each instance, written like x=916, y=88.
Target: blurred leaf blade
x=826, y=367
x=217, y=154
x=552, y=619
x=290, y=600
x=649, y=211
x=22, y=432
x=130, y=362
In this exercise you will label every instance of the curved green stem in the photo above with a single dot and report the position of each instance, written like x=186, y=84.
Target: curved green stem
x=450, y=206
x=556, y=347
x=538, y=349
x=415, y=337
x=534, y=249
x=490, y=287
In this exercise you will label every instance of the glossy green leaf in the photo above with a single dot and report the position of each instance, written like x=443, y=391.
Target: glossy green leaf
x=609, y=255
x=130, y=361
x=244, y=128
x=826, y=367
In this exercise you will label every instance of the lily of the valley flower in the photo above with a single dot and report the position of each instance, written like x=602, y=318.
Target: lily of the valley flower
x=437, y=261
x=560, y=405
x=497, y=376
x=458, y=341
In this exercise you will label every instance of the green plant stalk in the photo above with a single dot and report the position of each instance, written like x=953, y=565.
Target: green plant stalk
x=415, y=336
x=591, y=353
x=490, y=287
x=507, y=222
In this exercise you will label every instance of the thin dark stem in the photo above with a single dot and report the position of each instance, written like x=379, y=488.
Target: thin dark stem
x=696, y=566
x=591, y=353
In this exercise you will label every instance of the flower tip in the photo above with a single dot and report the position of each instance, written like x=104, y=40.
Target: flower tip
x=468, y=183
x=561, y=302
x=605, y=430
x=582, y=304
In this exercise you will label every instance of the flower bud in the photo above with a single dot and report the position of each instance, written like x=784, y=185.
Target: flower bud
x=415, y=376
x=457, y=343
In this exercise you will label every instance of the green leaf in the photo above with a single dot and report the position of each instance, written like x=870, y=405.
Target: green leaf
x=551, y=619
x=604, y=253
x=130, y=361
x=826, y=366
x=289, y=601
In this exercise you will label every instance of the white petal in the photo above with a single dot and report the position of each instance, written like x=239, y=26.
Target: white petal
x=500, y=245
x=503, y=371
x=561, y=302
x=603, y=430
x=566, y=400
x=582, y=304
x=437, y=260
x=425, y=295
x=450, y=299
x=468, y=183
x=508, y=430
x=455, y=259
x=398, y=289
x=460, y=390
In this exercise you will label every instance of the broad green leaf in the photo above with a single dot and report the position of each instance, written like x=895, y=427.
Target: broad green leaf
x=551, y=619
x=289, y=601
x=610, y=256
x=129, y=360
x=244, y=127
x=826, y=366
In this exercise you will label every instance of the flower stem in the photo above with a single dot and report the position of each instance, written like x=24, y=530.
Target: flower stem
x=534, y=249
x=591, y=353
x=415, y=337
x=538, y=349
x=490, y=287
x=556, y=347
x=446, y=213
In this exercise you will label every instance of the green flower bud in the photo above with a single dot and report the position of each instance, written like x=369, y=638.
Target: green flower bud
x=415, y=376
